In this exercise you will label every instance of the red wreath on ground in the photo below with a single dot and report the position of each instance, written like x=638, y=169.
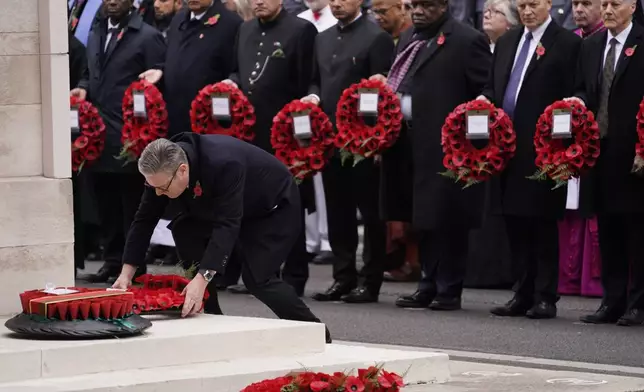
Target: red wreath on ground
x=160, y=293
x=85, y=304
x=554, y=159
x=241, y=110
x=138, y=132
x=638, y=165
x=357, y=140
x=302, y=161
x=373, y=379
x=87, y=147
x=466, y=163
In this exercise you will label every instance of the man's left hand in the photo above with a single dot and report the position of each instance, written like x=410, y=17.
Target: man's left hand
x=193, y=292
x=152, y=75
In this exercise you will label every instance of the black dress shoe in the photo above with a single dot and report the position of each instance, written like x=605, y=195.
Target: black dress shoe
x=360, y=295
x=323, y=258
x=603, y=315
x=328, y=335
x=333, y=293
x=105, y=273
x=445, y=304
x=514, y=308
x=542, y=310
x=631, y=318
x=418, y=300
x=238, y=289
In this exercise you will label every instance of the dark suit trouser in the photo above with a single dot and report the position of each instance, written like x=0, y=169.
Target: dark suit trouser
x=534, y=244
x=263, y=245
x=621, y=242
x=79, y=230
x=346, y=190
x=119, y=195
x=296, y=268
x=443, y=258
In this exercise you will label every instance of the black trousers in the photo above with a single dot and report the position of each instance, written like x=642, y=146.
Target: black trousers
x=534, y=244
x=621, y=242
x=119, y=195
x=443, y=258
x=263, y=245
x=347, y=189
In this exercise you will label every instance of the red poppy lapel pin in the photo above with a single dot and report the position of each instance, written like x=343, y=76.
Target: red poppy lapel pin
x=441, y=39
x=630, y=51
x=212, y=20
x=197, y=190
x=540, y=50
x=120, y=36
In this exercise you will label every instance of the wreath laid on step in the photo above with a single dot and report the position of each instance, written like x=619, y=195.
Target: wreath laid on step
x=304, y=155
x=373, y=379
x=89, y=140
x=160, y=293
x=354, y=138
x=559, y=159
x=464, y=162
x=140, y=129
x=242, y=113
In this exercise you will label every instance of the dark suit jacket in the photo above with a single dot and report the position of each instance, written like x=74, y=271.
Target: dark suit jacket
x=240, y=183
x=444, y=76
x=77, y=61
x=562, y=13
x=616, y=190
x=111, y=73
x=547, y=80
x=198, y=55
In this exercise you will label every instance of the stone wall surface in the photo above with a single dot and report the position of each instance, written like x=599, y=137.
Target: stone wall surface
x=36, y=221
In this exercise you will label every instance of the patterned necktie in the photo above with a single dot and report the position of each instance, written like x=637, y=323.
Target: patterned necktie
x=509, y=99
x=402, y=63
x=607, y=80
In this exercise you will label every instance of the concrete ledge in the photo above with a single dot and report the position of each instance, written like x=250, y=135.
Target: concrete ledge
x=169, y=342
x=233, y=375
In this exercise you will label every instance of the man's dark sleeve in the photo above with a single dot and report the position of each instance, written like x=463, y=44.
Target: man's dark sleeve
x=154, y=52
x=478, y=65
x=147, y=216
x=580, y=76
x=306, y=57
x=314, y=88
x=234, y=75
x=229, y=209
x=380, y=54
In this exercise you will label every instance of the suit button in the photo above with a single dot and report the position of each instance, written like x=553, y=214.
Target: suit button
x=253, y=73
x=259, y=53
x=261, y=44
x=263, y=34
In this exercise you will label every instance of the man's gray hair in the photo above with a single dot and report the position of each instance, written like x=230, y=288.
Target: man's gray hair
x=507, y=7
x=161, y=156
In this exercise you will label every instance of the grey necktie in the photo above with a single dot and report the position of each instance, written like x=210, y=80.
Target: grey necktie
x=607, y=80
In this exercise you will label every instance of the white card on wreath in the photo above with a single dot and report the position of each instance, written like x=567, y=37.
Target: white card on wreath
x=220, y=107
x=73, y=119
x=50, y=288
x=561, y=123
x=572, y=197
x=368, y=102
x=139, y=104
x=302, y=126
x=478, y=124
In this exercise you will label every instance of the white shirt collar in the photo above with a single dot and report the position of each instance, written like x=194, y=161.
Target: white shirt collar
x=538, y=32
x=198, y=17
x=621, y=37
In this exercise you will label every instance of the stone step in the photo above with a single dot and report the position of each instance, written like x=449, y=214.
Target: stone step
x=169, y=342
x=233, y=375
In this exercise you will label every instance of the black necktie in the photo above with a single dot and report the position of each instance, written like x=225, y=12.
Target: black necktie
x=114, y=31
x=607, y=80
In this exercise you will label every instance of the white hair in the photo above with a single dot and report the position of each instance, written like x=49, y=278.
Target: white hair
x=161, y=156
x=507, y=7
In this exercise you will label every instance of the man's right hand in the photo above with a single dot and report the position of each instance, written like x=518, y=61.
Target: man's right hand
x=379, y=77
x=80, y=93
x=483, y=98
x=311, y=98
x=575, y=99
x=230, y=82
x=124, y=281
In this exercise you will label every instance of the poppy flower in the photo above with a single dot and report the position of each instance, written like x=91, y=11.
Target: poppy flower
x=353, y=384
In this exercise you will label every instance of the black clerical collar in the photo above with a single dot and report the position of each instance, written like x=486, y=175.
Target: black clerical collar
x=352, y=25
x=272, y=23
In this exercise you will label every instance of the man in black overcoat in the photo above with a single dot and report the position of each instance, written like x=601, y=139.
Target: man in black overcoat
x=200, y=53
x=121, y=49
x=609, y=82
x=524, y=81
x=354, y=49
x=230, y=193
x=448, y=65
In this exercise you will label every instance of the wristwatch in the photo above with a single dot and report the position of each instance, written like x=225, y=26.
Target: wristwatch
x=208, y=275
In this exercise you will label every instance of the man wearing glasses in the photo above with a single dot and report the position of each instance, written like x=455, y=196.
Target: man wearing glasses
x=231, y=194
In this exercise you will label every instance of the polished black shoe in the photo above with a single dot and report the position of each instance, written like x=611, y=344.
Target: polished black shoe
x=360, y=295
x=418, y=300
x=542, y=310
x=631, y=318
x=445, y=304
x=238, y=289
x=333, y=293
x=105, y=273
x=603, y=315
x=514, y=308
x=323, y=258
x=328, y=335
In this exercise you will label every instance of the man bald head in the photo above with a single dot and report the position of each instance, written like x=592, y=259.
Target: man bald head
x=390, y=15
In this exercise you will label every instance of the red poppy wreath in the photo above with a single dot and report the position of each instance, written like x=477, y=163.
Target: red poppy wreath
x=357, y=140
x=305, y=150
x=160, y=293
x=638, y=165
x=145, y=119
x=88, y=146
x=242, y=113
x=557, y=158
x=463, y=161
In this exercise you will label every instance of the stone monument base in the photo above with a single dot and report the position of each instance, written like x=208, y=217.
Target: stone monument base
x=201, y=354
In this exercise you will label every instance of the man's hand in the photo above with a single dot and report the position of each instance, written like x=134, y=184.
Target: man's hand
x=124, y=281
x=379, y=77
x=483, y=98
x=311, y=98
x=230, y=82
x=152, y=75
x=193, y=292
x=575, y=99
x=79, y=93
